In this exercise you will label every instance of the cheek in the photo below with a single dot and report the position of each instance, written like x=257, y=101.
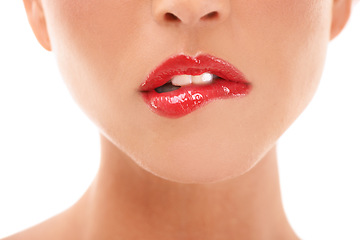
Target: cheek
x=285, y=46
x=96, y=45
x=94, y=37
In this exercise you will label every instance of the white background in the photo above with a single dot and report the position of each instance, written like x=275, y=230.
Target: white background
x=49, y=150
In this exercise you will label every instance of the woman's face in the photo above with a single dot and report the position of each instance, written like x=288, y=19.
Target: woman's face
x=106, y=49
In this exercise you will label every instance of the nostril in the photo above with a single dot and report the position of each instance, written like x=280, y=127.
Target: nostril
x=171, y=17
x=210, y=16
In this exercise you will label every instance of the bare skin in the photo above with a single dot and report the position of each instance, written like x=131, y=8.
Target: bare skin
x=186, y=185
x=126, y=202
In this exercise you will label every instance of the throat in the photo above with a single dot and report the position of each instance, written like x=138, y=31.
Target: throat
x=153, y=208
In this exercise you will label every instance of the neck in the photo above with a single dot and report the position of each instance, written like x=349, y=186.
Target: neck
x=125, y=200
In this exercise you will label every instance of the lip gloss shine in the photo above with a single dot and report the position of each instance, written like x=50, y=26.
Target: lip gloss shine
x=180, y=102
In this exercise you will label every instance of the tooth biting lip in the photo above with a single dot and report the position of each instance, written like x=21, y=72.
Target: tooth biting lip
x=184, y=80
x=183, y=83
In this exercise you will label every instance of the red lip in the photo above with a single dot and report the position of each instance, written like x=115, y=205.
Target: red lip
x=180, y=102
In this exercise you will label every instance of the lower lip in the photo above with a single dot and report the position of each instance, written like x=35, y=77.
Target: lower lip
x=187, y=99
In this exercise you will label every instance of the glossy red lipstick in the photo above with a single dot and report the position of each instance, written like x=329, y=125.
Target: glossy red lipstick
x=230, y=82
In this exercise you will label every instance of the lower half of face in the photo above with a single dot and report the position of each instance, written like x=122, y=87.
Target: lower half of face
x=106, y=49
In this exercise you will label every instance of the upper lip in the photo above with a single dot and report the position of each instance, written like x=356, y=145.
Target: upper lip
x=186, y=65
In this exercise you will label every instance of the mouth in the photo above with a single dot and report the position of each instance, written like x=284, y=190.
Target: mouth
x=182, y=84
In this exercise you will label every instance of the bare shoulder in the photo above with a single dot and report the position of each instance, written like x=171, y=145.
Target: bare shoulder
x=57, y=227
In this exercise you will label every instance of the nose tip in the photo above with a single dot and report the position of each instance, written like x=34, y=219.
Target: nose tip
x=190, y=12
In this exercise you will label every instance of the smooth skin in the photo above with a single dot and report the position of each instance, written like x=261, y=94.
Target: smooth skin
x=211, y=174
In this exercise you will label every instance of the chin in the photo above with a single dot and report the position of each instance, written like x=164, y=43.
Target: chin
x=199, y=168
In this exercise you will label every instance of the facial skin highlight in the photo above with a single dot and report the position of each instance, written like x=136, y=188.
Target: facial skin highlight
x=106, y=49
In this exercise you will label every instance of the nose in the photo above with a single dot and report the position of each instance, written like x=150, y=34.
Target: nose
x=190, y=12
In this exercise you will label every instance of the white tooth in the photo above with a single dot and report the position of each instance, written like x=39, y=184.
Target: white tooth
x=204, y=78
x=181, y=80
